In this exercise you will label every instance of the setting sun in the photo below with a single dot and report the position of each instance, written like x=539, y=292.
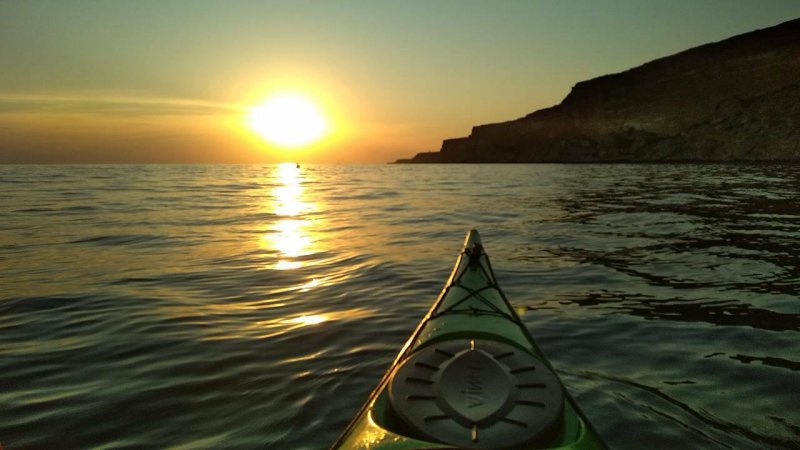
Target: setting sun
x=288, y=120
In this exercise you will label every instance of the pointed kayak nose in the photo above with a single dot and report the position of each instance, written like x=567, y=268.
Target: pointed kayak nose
x=472, y=241
x=470, y=376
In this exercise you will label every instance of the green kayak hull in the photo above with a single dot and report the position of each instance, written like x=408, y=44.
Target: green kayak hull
x=470, y=376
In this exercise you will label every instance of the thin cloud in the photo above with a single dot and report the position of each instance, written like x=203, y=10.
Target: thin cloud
x=110, y=104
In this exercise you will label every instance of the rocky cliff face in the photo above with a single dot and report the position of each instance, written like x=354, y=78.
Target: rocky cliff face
x=734, y=100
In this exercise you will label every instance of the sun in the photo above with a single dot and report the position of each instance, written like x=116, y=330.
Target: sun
x=288, y=120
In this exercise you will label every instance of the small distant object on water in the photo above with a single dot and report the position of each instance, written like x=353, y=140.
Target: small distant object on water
x=297, y=165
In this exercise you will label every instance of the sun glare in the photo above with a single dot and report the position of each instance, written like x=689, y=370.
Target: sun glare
x=288, y=120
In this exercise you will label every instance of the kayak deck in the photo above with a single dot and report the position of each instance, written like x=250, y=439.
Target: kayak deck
x=470, y=376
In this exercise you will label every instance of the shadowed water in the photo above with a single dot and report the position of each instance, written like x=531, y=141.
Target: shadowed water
x=257, y=306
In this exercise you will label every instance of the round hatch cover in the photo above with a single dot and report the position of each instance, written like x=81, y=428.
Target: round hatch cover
x=477, y=394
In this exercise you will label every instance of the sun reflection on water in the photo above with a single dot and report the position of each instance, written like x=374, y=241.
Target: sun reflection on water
x=290, y=235
x=313, y=319
x=311, y=284
x=293, y=240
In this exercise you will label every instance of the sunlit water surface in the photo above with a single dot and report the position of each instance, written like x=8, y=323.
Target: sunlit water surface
x=257, y=306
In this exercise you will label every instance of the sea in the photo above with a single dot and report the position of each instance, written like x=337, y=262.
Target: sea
x=257, y=306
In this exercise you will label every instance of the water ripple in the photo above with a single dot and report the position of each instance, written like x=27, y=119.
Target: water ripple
x=257, y=306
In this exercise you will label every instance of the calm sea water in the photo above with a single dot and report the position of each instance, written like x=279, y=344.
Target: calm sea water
x=257, y=306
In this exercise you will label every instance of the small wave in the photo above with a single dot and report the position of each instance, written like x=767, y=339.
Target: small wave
x=263, y=217
x=717, y=423
x=367, y=195
x=27, y=305
x=238, y=186
x=82, y=194
x=769, y=361
x=135, y=280
x=34, y=210
x=711, y=311
x=80, y=208
x=123, y=239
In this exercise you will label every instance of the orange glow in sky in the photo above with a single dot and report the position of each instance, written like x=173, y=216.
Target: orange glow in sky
x=318, y=81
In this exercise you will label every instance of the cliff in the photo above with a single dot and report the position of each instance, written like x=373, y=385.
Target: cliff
x=733, y=100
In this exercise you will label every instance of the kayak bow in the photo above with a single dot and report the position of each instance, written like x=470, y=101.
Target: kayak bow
x=472, y=377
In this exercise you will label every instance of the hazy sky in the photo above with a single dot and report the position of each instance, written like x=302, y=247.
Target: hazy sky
x=171, y=81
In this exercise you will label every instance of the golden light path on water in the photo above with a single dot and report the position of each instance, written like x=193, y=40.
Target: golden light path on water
x=291, y=236
x=289, y=240
x=291, y=245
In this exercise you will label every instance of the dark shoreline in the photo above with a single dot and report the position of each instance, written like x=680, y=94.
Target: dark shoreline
x=736, y=100
x=791, y=162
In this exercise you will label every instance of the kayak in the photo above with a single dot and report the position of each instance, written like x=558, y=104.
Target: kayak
x=470, y=376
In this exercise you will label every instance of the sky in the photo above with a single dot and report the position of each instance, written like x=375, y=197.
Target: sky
x=120, y=81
